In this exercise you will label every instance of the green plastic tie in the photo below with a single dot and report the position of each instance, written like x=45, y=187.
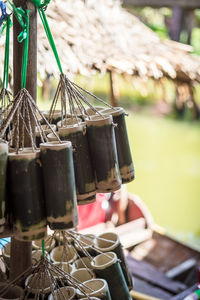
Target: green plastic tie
x=50, y=37
x=43, y=248
x=40, y=4
x=18, y=12
x=25, y=37
x=7, y=53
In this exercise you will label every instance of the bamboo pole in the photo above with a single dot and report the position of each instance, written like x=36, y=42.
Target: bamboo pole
x=21, y=251
x=113, y=89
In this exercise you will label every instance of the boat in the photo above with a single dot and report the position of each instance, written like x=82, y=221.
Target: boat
x=161, y=266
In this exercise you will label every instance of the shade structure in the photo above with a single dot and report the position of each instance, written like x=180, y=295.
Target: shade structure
x=89, y=40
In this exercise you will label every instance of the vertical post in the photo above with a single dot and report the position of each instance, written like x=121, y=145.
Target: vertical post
x=113, y=89
x=21, y=251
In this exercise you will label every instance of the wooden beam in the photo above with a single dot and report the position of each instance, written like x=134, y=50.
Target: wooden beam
x=163, y=3
x=21, y=251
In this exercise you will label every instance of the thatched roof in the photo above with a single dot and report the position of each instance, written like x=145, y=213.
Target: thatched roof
x=100, y=35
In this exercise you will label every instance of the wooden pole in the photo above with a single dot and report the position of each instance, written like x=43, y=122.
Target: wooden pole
x=113, y=89
x=21, y=251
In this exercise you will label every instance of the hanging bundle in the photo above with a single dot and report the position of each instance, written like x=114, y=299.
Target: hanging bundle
x=3, y=171
x=73, y=101
x=61, y=206
x=123, y=149
x=25, y=197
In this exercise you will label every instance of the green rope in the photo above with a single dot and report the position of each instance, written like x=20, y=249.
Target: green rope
x=24, y=35
x=43, y=248
x=7, y=54
x=18, y=12
x=40, y=5
x=50, y=37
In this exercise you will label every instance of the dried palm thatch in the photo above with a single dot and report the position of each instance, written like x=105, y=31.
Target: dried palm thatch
x=100, y=35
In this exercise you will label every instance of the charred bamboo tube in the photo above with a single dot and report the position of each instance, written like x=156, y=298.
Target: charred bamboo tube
x=126, y=166
x=103, y=153
x=59, y=185
x=26, y=194
x=3, y=171
x=108, y=267
x=85, y=185
x=109, y=241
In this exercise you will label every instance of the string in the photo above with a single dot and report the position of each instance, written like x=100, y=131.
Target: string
x=6, y=55
x=49, y=36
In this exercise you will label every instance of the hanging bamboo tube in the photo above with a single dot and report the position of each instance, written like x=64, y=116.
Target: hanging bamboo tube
x=26, y=195
x=126, y=166
x=103, y=153
x=85, y=185
x=3, y=171
x=59, y=184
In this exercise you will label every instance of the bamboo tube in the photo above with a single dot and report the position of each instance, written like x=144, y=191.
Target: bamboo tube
x=109, y=241
x=68, y=121
x=46, y=131
x=82, y=275
x=108, y=267
x=103, y=153
x=26, y=194
x=85, y=185
x=63, y=293
x=54, y=118
x=59, y=185
x=95, y=287
x=126, y=166
x=3, y=172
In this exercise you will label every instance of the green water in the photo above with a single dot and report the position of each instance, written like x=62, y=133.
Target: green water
x=166, y=155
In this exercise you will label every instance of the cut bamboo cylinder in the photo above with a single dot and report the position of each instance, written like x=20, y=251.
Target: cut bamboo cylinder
x=84, y=244
x=97, y=288
x=68, y=121
x=63, y=293
x=59, y=185
x=46, y=131
x=126, y=166
x=83, y=262
x=55, y=116
x=103, y=153
x=109, y=241
x=51, y=137
x=92, y=112
x=3, y=172
x=26, y=194
x=85, y=185
x=82, y=275
x=107, y=266
x=65, y=253
x=39, y=283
